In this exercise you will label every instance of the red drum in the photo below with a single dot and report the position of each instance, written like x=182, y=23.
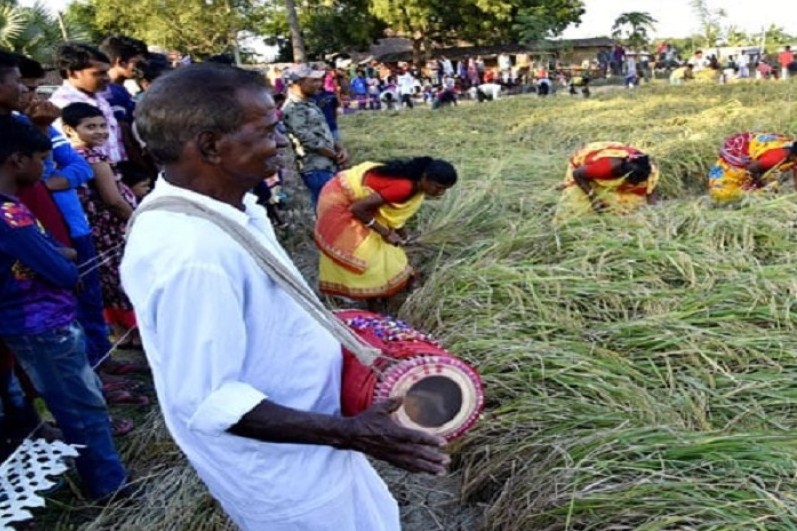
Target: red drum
x=442, y=394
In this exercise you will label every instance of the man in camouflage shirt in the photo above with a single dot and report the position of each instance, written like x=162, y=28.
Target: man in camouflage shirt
x=319, y=155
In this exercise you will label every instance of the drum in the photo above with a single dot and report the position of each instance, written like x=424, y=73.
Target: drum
x=442, y=394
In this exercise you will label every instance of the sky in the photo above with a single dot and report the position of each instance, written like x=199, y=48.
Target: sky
x=675, y=17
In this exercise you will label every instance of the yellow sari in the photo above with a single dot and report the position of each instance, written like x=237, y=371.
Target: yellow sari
x=618, y=196
x=355, y=261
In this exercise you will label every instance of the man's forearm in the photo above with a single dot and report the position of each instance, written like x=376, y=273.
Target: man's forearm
x=271, y=422
x=326, y=152
x=372, y=432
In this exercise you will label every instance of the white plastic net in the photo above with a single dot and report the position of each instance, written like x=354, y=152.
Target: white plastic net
x=28, y=472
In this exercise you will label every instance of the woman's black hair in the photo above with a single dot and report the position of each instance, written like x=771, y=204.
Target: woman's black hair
x=638, y=169
x=74, y=113
x=793, y=149
x=435, y=170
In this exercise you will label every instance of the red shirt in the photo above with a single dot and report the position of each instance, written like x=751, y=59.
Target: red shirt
x=391, y=189
x=785, y=58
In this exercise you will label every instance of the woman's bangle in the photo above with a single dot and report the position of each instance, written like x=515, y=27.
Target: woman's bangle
x=371, y=223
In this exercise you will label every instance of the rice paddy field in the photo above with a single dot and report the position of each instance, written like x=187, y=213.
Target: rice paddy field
x=641, y=372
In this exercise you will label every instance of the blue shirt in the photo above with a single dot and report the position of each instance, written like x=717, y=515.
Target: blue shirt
x=36, y=281
x=66, y=162
x=121, y=102
x=359, y=86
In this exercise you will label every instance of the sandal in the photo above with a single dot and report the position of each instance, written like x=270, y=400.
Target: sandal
x=124, y=397
x=121, y=427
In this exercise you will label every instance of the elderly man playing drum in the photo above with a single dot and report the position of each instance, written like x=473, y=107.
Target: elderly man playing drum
x=247, y=378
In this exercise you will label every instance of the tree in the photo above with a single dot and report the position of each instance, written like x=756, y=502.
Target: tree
x=33, y=30
x=438, y=22
x=542, y=22
x=299, y=53
x=710, y=23
x=327, y=27
x=774, y=38
x=197, y=27
x=82, y=14
x=634, y=27
x=735, y=36
x=12, y=23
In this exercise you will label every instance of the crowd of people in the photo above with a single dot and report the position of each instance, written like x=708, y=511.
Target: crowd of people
x=667, y=60
x=72, y=176
x=372, y=85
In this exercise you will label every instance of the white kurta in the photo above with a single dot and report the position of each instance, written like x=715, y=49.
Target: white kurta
x=220, y=337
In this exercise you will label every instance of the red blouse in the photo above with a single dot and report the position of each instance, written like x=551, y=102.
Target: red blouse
x=599, y=170
x=391, y=189
x=772, y=158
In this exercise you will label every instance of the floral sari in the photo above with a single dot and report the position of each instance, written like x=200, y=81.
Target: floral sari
x=729, y=180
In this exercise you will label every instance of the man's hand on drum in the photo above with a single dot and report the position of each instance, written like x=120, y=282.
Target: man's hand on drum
x=372, y=432
x=375, y=433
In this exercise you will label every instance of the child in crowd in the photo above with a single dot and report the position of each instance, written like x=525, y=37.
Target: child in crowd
x=135, y=178
x=108, y=203
x=38, y=315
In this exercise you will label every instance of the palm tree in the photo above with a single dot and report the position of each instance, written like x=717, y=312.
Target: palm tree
x=635, y=25
x=299, y=53
x=33, y=31
x=12, y=23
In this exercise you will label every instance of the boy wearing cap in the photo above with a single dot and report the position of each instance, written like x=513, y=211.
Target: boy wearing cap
x=319, y=155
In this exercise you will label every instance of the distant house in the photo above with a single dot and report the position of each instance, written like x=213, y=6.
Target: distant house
x=574, y=51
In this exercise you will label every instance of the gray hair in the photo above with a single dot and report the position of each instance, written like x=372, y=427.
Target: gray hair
x=188, y=101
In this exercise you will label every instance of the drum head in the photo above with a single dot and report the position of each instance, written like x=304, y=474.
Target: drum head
x=442, y=395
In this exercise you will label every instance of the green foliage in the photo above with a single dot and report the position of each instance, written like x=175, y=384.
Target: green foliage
x=82, y=14
x=633, y=27
x=478, y=21
x=197, y=27
x=735, y=36
x=34, y=31
x=327, y=26
x=710, y=23
x=775, y=37
x=539, y=22
x=12, y=23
